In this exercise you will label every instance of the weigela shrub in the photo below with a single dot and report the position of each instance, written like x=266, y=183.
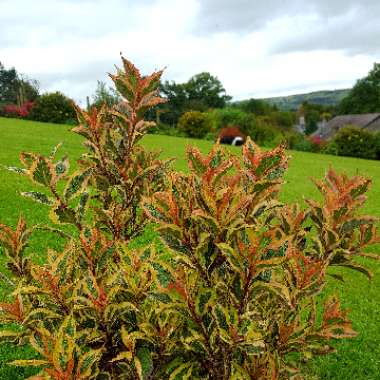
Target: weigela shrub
x=233, y=295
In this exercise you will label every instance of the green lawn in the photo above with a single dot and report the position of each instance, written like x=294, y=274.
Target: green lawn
x=356, y=359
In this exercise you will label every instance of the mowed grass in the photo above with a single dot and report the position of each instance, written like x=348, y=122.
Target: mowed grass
x=357, y=358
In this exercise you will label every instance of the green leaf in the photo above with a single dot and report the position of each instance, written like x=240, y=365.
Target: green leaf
x=38, y=197
x=237, y=262
x=358, y=268
x=145, y=359
x=360, y=189
x=55, y=150
x=103, y=376
x=124, y=355
x=239, y=373
x=42, y=171
x=352, y=224
x=138, y=367
x=27, y=159
x=88, y=363
x=61, y=167
x=278, y=289
x=368, y=234
x=161, y=297
x=183, y=372
x=82, y=205
x=163, y=274
x=16, y=169
x=154, y=213
x=8, y=336
x=266, y=163
x=203, y=300
x=195, y=158
x=76, y=184
x=216, y=159
x=221, y=317
x=61, y=214
x=39, y=314
x=29, y=363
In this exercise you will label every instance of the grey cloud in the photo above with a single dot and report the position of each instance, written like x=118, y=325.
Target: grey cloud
x=77, y=82
x=250, y=15
x=358, y=32
x=52, y=25
x=55, y=20
x=97, y=70
x=348, y=25
x=235, y=15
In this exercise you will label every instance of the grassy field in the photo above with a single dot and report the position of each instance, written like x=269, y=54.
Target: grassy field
x=355, y=359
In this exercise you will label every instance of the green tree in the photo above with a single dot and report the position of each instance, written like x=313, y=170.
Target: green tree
x=15, y=88
x=8, y=85
x=256, y=106
x=311, y=122
x=365, y=95
x=313, y=114
x=233, y=116
x=207, y=89
x=284, y=120
x=105, y=95
x=29, y=89
x=176, y=104
x=200, y=93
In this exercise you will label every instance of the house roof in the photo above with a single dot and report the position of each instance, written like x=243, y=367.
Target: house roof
x=338, y=122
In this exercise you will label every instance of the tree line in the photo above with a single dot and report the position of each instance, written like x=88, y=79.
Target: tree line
x=202, y=102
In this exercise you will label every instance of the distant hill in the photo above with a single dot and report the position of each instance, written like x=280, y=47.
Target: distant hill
x=292, y=102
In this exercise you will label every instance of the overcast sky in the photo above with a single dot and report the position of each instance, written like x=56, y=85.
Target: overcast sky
x=256, y=48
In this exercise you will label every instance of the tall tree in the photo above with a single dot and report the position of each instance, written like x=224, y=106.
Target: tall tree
x=104, y=94
x=177, y=101
x=199, y=93
x=29, y=89
x=8, y=85
x=258, y=107
x=15, y=88
x=207, y=89
x=365, y=95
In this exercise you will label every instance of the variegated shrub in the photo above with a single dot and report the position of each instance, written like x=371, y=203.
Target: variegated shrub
x=234, y=295
x=82, y=308
x=247, y=270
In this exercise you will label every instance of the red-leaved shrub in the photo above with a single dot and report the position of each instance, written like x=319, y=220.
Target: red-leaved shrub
x=14, y=110
x=318, y=143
